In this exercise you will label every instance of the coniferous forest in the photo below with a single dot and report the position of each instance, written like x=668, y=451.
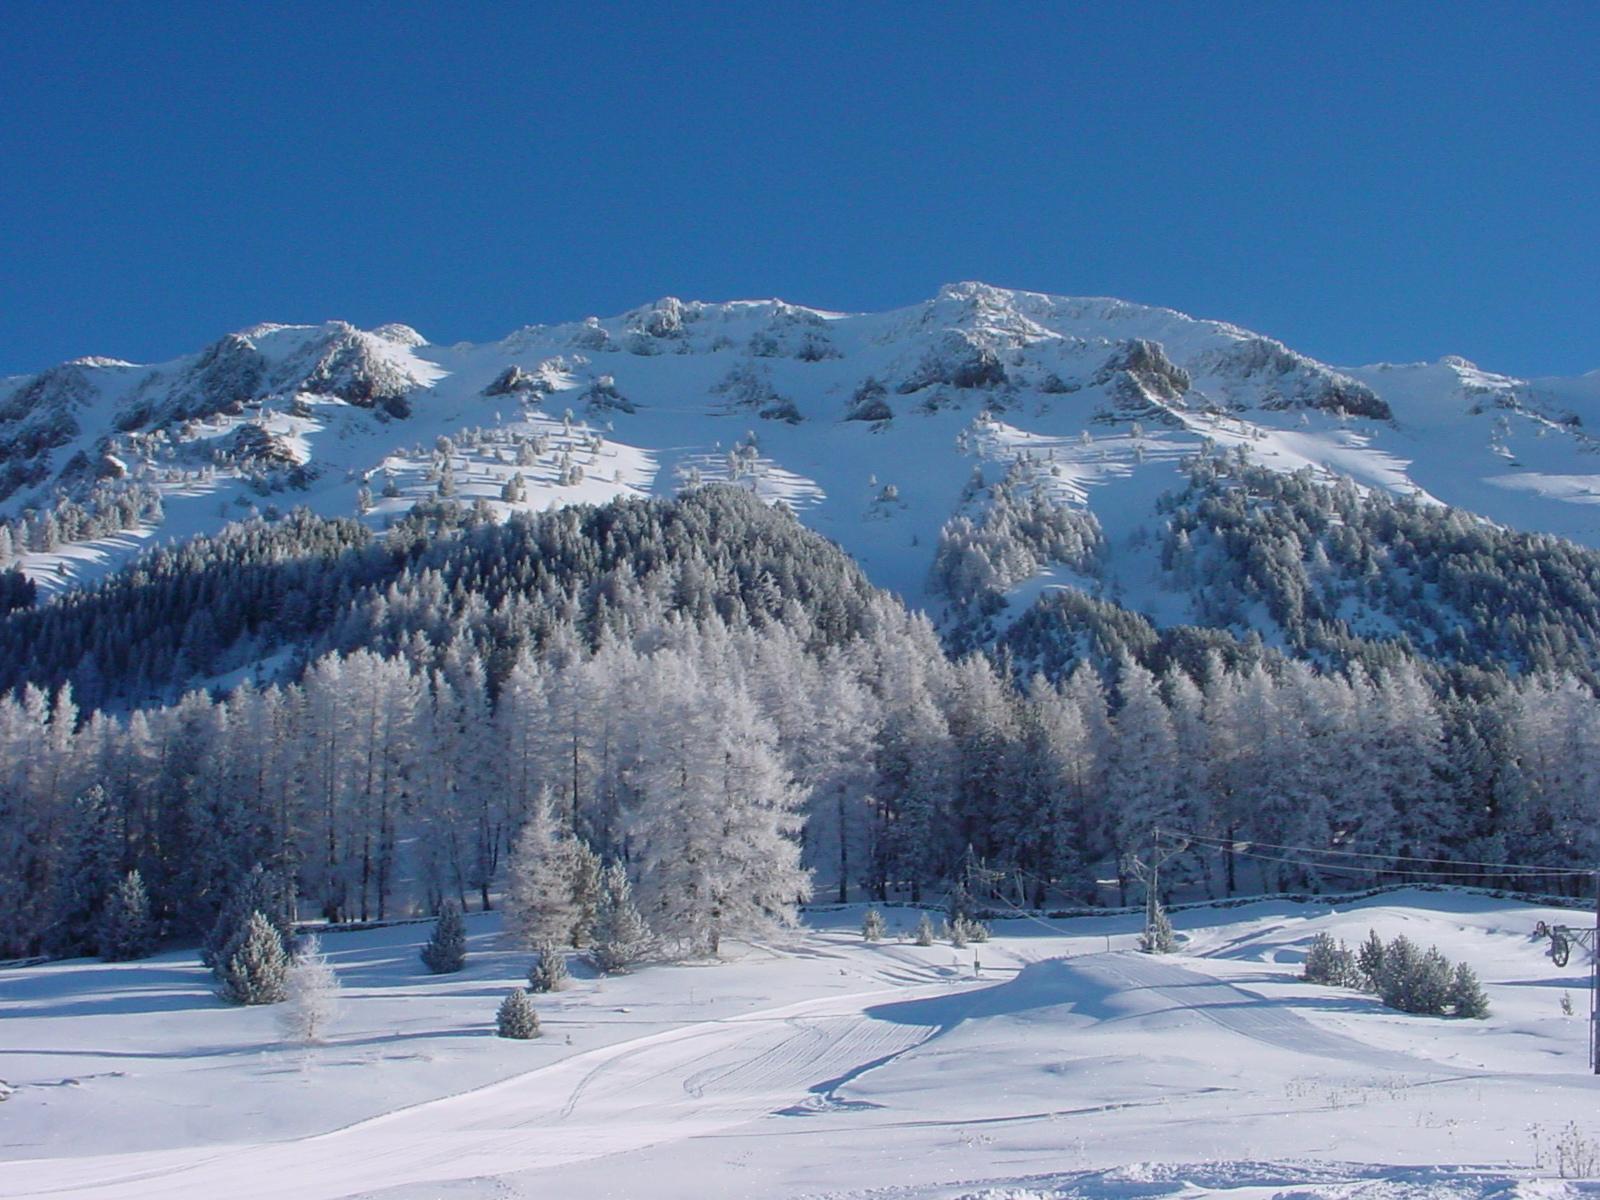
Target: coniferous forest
x=716, y=708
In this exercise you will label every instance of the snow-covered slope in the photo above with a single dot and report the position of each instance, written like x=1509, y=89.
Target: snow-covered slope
x=1052, y=1061
x=868, y=425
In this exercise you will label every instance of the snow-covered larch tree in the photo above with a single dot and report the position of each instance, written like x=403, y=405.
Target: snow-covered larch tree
x=718, y=825
x=540, y=906
x=311, y=995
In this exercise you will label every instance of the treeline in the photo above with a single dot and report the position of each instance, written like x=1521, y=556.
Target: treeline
x=705, y=682
x=661, y=668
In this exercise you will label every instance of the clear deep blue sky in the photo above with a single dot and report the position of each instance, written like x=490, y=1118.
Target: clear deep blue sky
x=1393, y=182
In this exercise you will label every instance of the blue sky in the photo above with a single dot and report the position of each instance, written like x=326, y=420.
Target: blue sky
x=1383, y=182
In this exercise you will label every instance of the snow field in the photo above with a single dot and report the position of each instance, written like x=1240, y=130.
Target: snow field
x=822, y=1066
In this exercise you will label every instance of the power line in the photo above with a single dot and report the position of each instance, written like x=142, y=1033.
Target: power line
x=1439, y=875
x=1240, y=846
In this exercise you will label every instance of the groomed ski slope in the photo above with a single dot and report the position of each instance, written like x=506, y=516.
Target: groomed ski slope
x=1069, y=1066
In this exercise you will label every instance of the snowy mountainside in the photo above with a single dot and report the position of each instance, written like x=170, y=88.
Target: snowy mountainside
x=868, y=425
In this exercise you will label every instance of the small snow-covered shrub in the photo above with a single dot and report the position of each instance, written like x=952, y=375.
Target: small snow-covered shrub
x=872, y=925
x=1157, y=937
x=1330, y=963
x=1467, y=998
x=924, y=931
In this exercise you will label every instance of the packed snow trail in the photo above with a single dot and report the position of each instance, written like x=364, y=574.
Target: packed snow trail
x=664, y=1087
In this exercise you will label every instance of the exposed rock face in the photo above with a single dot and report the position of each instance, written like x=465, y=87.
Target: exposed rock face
x=960, y=361
x=345, y=365
x=514, y=381
x=870, y=403
x=255, y=444
x=1142, y=384
x=1294, y=381
x=36, y=418
x=747, y=387
x=603, y=394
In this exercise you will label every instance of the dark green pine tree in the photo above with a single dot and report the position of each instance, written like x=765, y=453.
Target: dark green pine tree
x=446, y=951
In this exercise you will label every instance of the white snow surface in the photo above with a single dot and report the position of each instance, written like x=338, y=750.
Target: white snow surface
x=1053, y=1061
x=697, y=377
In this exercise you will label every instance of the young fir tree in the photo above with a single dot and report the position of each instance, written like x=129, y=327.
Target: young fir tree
x=872, y=925
x=311, y=994
x=1329, y=962
x=1430, y=988
x=446, y=951
x=516, y=1018
x=924, y=936
x=548, y=971
x=126, y=930
x=620, y=937
x=261, y=890
x=1369, y=961
x=1467, y=997
x=1397, y=976
x=1157, y=936
x=255, y=972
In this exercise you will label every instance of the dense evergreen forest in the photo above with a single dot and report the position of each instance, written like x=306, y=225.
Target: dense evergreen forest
x=703, y=681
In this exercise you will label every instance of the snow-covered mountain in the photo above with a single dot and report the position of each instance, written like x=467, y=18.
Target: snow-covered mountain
x=868, y=425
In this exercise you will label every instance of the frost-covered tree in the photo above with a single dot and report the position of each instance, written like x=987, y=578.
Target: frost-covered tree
x=263, y=891
x=620, y=937
x=1329, y=962
x=872, y=925
x=1157, y=936
x=446, y=951
x=255, y=971
x=311, y=995
x=87, y=875
x=516, y=1017
x=1369, y=961
x=126, y=929
x=924, y=933
x=540, y=906
x=586, y=881
x=717, y=825
x=548, y=970
x=1467, y=997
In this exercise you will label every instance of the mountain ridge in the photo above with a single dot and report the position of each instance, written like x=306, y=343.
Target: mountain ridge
x=850, y=418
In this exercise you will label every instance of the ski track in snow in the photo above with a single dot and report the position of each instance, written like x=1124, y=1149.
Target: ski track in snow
x=664, y=1087
x=673, y=1086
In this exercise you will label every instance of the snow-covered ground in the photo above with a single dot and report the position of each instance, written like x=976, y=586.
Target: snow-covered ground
x=1052, y=1061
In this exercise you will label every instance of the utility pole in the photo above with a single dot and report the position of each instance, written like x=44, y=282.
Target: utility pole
x=1149, y=873
x=1594, y=983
